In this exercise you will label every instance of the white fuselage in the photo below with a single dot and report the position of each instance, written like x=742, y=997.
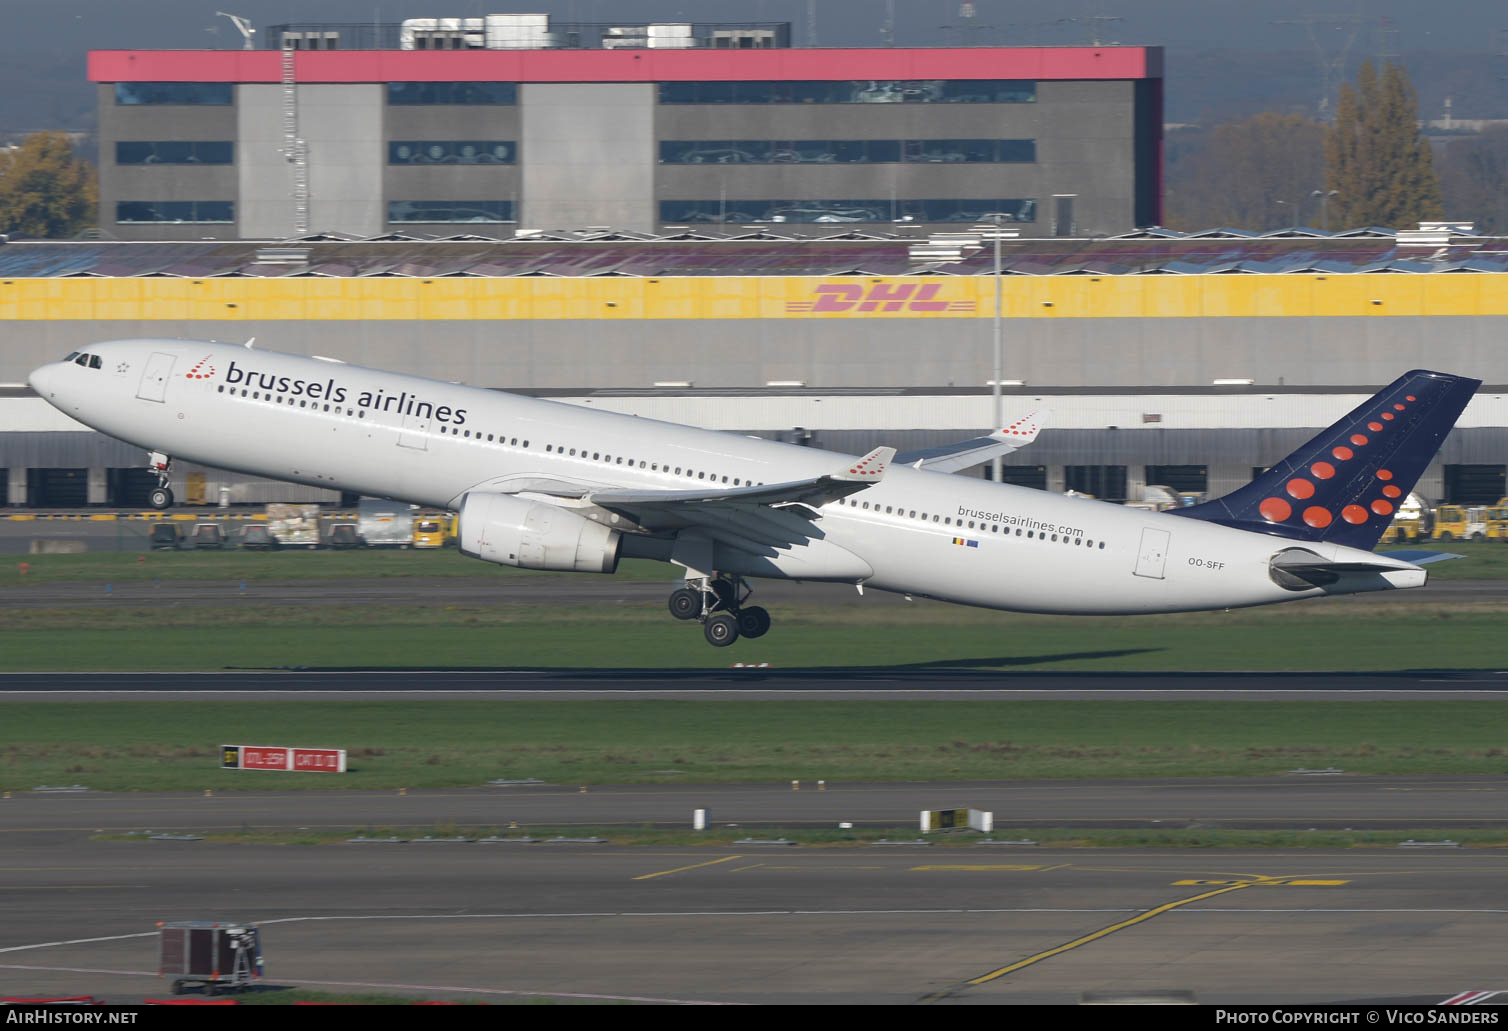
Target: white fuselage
x=954, y=538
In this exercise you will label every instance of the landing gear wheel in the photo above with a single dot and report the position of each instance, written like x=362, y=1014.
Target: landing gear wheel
x=753, y=621
x=685, y=603
x=721, y=629
x=161, y=497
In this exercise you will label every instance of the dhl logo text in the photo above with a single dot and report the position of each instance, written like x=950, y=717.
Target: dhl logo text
x=853, y=297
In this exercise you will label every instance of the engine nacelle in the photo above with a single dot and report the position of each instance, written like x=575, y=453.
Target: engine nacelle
x=513, y=531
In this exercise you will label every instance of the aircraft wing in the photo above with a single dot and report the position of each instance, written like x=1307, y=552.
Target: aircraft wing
x=817, y=490
x=951, y=458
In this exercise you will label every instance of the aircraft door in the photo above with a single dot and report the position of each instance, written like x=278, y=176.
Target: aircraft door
x=415, y=432
x=1153, y=554
x=154, y=378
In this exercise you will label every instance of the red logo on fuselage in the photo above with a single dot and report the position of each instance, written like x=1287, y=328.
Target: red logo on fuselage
x=202, y=369
x=853, y=297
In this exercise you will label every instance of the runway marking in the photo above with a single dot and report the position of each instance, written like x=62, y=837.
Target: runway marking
x=681, y=869
x=1266, y=882
x=78, y=941
x=741, y=869
x=1077, y=942
x=935, y=867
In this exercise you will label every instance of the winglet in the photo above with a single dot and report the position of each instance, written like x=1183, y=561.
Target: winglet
x=869, y=469
x=1024, y=430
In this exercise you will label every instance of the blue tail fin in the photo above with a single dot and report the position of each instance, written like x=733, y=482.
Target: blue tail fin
x=1344, y=485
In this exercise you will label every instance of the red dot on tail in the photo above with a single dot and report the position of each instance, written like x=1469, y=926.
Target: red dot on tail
x=1398, y=408
x=1388, y=416
x=1300, y=489
x=1342, y=452
x=1323, y=470
x=1410, y=397
x=1275, y=510
x=1354, y=514
x=1318, y=517
x=1382, y=507
x=1391, y=491
x=1384, y=474
x=1375, y=427
x=1359, y=439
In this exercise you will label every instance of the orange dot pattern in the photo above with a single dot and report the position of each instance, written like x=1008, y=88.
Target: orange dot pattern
x=1278, y=510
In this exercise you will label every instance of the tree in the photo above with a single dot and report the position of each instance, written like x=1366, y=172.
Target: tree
x=1474, y=180
x=1260, y=173
x=1376, y=161
x=44, y=190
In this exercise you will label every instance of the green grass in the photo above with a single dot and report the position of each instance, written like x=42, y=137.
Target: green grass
x=1303, y=636
x=162, y=746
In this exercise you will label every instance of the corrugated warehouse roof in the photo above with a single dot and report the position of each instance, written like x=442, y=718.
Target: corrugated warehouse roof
x=570, y=255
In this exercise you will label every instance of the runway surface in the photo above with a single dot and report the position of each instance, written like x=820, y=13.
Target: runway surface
x=900, y=925
x=931, y=681
x=564, y=589
x=1297, y=801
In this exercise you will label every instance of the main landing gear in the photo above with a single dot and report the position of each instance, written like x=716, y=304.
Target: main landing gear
x=719, y=603
x=162, y=495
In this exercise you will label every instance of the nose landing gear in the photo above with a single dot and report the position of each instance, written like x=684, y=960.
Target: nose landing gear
x=162, y=495
x=719, y=603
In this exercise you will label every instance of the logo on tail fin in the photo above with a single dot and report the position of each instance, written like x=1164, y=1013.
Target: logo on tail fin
x=1344, y=486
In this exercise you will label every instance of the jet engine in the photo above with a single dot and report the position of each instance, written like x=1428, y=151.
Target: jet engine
x=513, y=531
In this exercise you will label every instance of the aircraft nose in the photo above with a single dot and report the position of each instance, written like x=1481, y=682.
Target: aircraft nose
x=42, y=379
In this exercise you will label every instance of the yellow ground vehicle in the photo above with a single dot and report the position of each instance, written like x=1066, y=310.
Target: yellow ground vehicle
x=1411, y=524
x=1496, y=521
x=1459, y=523
x=435, y=531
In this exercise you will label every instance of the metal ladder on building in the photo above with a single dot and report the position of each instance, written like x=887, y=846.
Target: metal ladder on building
x=294, y=149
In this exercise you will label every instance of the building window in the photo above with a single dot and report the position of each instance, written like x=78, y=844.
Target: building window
x=173, y=93
x=452, y=152
x=175, y=152
x=410, y=211
x=858, y=91
x=1034, y=476
x=870, y=210
x=410, y=93
x=182, y=211
x=844, y=152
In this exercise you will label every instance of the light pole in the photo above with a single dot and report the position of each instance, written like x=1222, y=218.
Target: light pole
x=994, y=230
x=1324, y=199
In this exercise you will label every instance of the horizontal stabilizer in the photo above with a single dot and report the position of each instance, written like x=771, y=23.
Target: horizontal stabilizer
x=966, y=454
x=1420, y=557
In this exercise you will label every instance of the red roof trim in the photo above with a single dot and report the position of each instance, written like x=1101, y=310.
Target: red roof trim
x=315, y=66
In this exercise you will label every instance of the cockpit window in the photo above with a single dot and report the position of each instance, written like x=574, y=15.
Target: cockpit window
x=95, y=363
x=83, y=360
x=70, y=356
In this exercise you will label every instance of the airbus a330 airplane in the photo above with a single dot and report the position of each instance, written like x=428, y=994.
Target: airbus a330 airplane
x=545, y=485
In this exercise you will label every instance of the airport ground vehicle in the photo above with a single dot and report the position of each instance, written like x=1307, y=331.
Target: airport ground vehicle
x=1460, y=523
x=1495, y=521
x=294, y=526
x=1412, y=523
x=164, y=537
x=257, y=537
x=385, y=524
x=208, y=536
x=435, y=531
